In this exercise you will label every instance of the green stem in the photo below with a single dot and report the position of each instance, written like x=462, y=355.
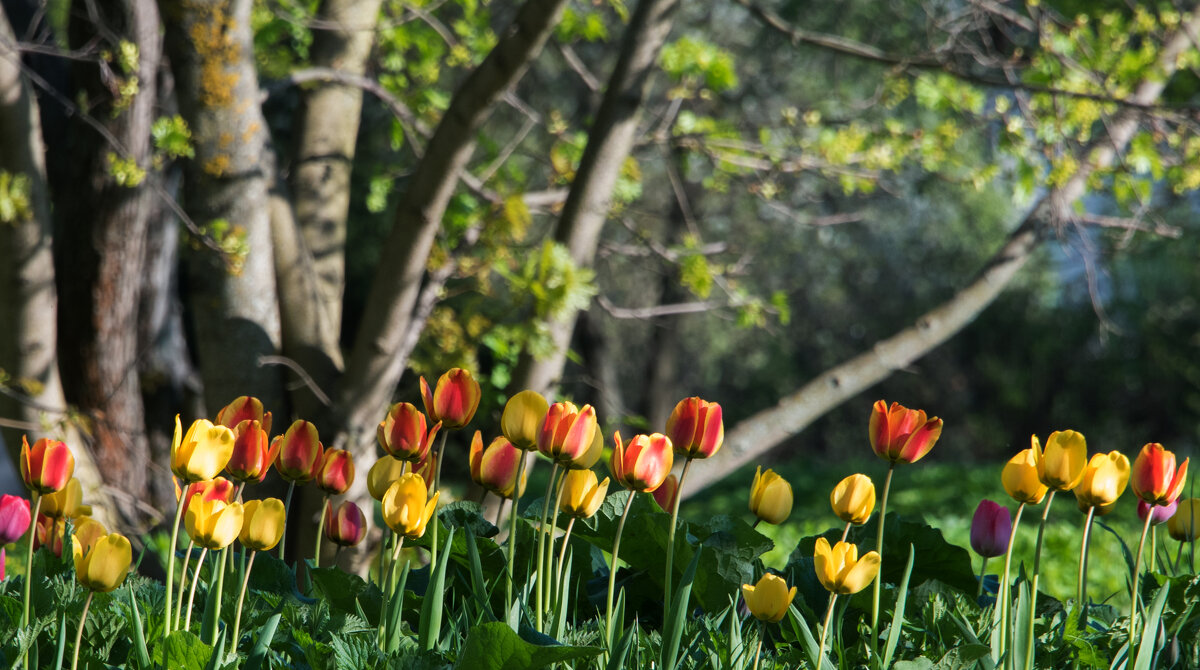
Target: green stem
x=1137, y=579
x=512, y=541
x=320, y=532
x=541, y=550
x=171, y=565
x=982, y=572
x=211, y=635
x=612, y=573
x=550, y=592
x=187, y=557
x=562, y=557
x=846, y=531
x=668, y=583
x=389, y=585
x=37, y=506
x=825, y=629
x=887, y=487
x=437, y=484
x=1002, y=605
x=287, y=512
x=1153, y=547
x=1081, y=590
x=79, y=634
x=762, y=632
x=187, y=619
x=237, y=618
x=1033, y=592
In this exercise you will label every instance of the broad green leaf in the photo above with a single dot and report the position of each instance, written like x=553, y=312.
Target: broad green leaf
x=494, y=646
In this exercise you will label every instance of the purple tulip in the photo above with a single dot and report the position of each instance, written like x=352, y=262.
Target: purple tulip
x=14, y=518
x=1160, y=513
x=990, y=529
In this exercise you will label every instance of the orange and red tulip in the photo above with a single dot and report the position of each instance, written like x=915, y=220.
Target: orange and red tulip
x=337, y=472
x=567, y=432
x=454, y=400
x=695, y=428
x=644, y=463
x=299, y=453
x=1155, y=478
x=403, y=435
x=213, y=489
x=902, y=435
x=666, y=494
x=47, y=466
x=244, y=408
x=346, y=526
x=253, y=451
x=497, y=467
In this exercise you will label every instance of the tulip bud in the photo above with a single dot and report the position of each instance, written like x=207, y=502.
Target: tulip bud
x=769, y=599
x=244, y=408
x=1104, y=480
x=263, y=522
x=1184, y=525
x=385, y=471
x=337, y=472
x=201, y=453
x=1020, y=476
x=840, y=570
x=347, y=526
x=991, y=528
x=1159, y=514
x=212, y=524
x=567, y=432
x=104, y=566
x=522, y=419
x=47, y=466
x=695, y=428
x=300, y=453
x=14, y=518
x=48, y=532
x=1063, y=460
x=902, y=435
x=581, y=495
x=402, y=433
x=1154, y=477
x=666, y=494
x=853, y=499
x=644, y=463
x=498, y=468
x=215, y=489
x=770, y=497
x=66, y=502
x=454, y=401
x=253, y=452
x=406, y=506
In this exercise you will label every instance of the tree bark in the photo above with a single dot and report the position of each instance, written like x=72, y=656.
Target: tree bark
x=233, y=299
x=610, y=140
x=759, y=433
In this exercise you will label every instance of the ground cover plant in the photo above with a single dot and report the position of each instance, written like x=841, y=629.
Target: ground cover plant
x=612, y=570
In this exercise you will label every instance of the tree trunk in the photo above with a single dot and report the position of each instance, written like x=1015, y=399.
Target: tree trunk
x=610, y=140
x=232, y=296
x=757, y=434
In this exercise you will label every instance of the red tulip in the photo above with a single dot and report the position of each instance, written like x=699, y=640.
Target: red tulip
x=567, y=432
x=902, y=435
x=1154, y=477
x=244, y=408
x=253, y=453
x=213, y=489
x=455, y=399
x=402, y=433
x=990, y=529
x=644, y=463
x=47, y=466
x=300, y=453
x=14, y=518
x=665, y=495
x=695, y=428
x=347, y=526
x=337, y=472
x=497, y=468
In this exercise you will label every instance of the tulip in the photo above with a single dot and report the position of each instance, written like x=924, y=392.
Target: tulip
x=407, y=508
x=47, y=466
x=263, y=522
x=213, y=524
x=497, y=468
x=990, y=529
x=381, y=475
x=853, y=499
x=337, y=472
x=49, y=532
x=1063, y=461
x=1020, y=476
x=666, y=494
x=244, y=408
x=770, y=497
x=347, y=526
x=567, y=432
x=202, y=452
x=454, y=401
x=1154, y=477
x=1159, y=514
x=14, y=519
x=644, y=463
x=840, y=570
x=902, y=435
x=522, y=419
x=769, y=599
x=1104, y=480
x=253, y=451
x=216, y=489
x=403, y=435
x=695, y=428
x=104, y=566
x=300, y=453
x=66, y=502
x=581, y=494
x=1184, y=525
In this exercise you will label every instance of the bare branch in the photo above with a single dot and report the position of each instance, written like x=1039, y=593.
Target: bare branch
x=654, y=311
x=265, y=360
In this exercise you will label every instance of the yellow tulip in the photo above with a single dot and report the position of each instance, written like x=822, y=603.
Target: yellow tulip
x=87, y=532
x=262, y=524
x=381, y=475
x=522, y=419
x=853, y=499
x=769, y=599
x=103, y=567
x=1063, y=460
x=770, y=497
x=202, y=452
x=1104, y=480
x=581, y=494
x=213, y=524
x=1020, y=476
x=405, y=507
x=839, y=568
x=66, y=502
x=1184, y=525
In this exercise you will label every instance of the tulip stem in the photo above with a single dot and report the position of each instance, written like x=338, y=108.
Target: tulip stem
x=1081, y=600
x=171, y=566
x=183, y=582
x=237, y=618
x=562, y=557
x=982, y=572
x=825, y=629
x=512, y=540
x=541, y=557
x=187, y=620
x=287, y=512
x=887, y=486
x=211, y=634
x=762, y=632
x=670, y=577
x=437, y=486
x=1002, y=605
x=320, y=532
x=1153, y=554
x=389, y=585
x=1033, y=591
x=1137, y=578
x=612, y=573
x=37, y=506
x=846, y=531
x=562, y=480
x=79, y=634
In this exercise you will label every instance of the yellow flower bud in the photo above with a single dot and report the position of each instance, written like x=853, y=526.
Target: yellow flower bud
x=66, y=502
x=202, y=452
x=103, y=566
x=1020, y=476
x=769, y=599
x=1063, y=461
x=522, y=419
x=581, y=494
x=213, y=524
x=1184, y=525
x=770, y=497
x=381, y=476
x=839, y=568
x=1104, y=480
x=262, y=524
x=853, y=499
x=405, y=507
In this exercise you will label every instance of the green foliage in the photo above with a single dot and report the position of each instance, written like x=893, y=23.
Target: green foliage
x=15, y=204
x=172, y=137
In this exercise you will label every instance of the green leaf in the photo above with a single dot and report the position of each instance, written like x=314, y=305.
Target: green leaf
x=679, y=614
x=265, y=634
x=898, y=614
x=494, y=646
x=185, y=650
x=431, y=609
